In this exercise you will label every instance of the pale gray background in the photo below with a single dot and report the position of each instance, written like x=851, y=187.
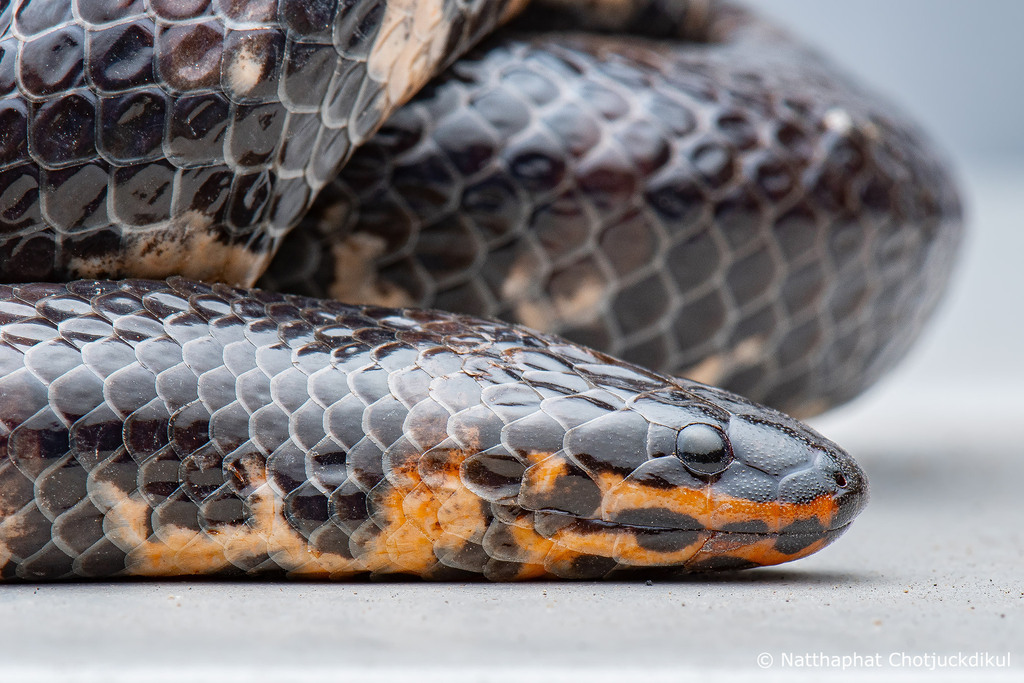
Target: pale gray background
x=935, y=564
x=956, y=65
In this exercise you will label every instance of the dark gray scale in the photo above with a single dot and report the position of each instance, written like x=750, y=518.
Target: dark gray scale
x=704, y=196
x=162, y=137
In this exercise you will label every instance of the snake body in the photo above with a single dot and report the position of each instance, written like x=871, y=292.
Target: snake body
x=169, y=428
x=787, y=233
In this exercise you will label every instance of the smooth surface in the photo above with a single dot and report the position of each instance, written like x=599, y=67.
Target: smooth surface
x=954, y=65
x=933, y=566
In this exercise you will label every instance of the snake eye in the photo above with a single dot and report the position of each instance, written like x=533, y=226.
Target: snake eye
x=703, y=449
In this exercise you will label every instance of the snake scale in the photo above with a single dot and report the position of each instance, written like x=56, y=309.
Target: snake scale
x=639, y=190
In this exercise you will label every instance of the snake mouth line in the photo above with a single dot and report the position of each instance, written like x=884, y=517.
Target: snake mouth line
x=650, y=528
x=692, y=549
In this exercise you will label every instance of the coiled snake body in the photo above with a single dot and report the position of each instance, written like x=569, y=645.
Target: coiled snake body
x=707, y=199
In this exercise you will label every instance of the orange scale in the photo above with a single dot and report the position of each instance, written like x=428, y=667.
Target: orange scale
x=160, y=558
x=448, y=544
x=369, y=544
x=532, y=571
x=420, y=506
x=765, y=554
x=558, y=560
x=410, y=550
x=629, y=552
x=535, y=548
x=587, y=541
x=542, y=476
x=440, y=466
x=761, y=551
x=777, y=515
x=730, y=510
x=463, y=515
x=630, y=495
x=512, y=544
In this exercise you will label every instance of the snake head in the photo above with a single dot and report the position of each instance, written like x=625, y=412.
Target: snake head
x=766, y=487
x=682, y=476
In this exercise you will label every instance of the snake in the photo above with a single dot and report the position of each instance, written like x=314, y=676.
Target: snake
x=447, y=289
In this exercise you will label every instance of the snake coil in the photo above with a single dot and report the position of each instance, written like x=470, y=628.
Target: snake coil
x=678, y=184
